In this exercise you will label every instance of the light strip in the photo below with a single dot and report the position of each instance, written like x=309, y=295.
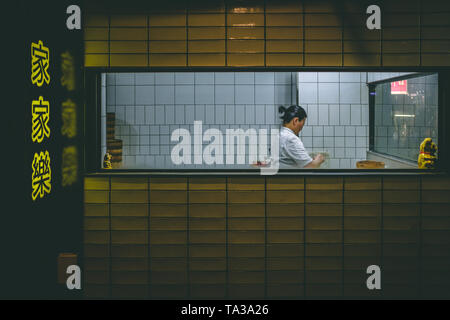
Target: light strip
x=405, y=115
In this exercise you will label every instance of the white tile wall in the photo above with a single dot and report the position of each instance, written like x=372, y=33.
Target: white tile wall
x=149, y=106
x=338, y=113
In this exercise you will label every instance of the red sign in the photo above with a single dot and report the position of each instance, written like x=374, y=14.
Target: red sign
x=399, y=87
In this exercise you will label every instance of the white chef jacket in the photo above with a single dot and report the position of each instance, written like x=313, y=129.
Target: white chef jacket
x=292, y=152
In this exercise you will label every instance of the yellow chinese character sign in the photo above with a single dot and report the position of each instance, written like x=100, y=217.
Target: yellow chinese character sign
x=68, y=71
x=69, y=166
x=42, y=175
x=69, y=117
x=40, y=115
x=40, y=60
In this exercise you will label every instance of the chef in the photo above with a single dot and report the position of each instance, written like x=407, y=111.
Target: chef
x=292, y=152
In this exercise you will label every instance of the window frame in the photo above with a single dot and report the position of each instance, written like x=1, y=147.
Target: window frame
x=92, y=120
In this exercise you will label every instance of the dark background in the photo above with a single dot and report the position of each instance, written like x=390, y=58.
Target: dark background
x=35, y=232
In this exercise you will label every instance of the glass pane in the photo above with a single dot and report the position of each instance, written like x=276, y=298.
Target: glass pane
x=406, y=112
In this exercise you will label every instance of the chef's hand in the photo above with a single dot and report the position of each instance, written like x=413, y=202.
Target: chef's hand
x=319, y=158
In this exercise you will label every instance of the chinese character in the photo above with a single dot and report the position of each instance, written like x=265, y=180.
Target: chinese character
x=42, y=175
x=40, y=113
x=69, y=117
x=68, y=71
x=69, y=166
x=40, y=60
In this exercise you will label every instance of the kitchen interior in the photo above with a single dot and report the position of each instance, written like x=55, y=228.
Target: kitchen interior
x=140, y=111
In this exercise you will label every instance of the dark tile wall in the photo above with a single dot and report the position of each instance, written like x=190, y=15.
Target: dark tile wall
x=265, y=33
x=274, y=237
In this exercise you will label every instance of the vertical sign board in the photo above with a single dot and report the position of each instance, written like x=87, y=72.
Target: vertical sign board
x=51, y=222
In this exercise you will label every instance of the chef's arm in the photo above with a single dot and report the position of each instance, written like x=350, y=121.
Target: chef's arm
x=317, y=161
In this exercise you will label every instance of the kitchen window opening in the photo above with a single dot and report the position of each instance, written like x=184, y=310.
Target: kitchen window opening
x=223, y=121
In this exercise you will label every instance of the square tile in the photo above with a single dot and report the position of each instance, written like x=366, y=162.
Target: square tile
x=317, y=142
x=204, y=94
x=350, y=93
x=283, y=94
x=361, y=131
x=328, y=92
x=339, y=142
x=125, y=95
x=184, y=94
x=328, y=131
x=244, y=94
x=264, y=94
x=145, y=95
x=224, y=94
x=307, y=93
x=350, y=142
x=328, y=142
x=361, y=142
x=164, y=94
x=154, y=140
x=144, y=130
x=350, y=152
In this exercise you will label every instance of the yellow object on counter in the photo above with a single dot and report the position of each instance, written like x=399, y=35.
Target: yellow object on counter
x=427, y=155
x=107, y=161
